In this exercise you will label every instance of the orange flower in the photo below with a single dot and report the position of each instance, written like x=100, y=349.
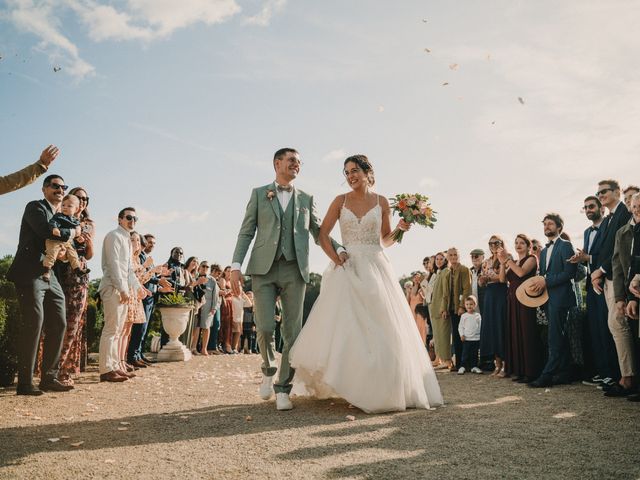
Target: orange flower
x=402, y=204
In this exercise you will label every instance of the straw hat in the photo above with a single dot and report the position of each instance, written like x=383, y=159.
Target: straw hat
x=528, y=297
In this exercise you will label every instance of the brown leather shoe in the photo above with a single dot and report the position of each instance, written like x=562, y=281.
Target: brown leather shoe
x=139, y=364
x=125, y=374
x=112, y=376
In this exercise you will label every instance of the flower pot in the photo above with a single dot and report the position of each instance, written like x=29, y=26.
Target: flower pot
x=174, y=322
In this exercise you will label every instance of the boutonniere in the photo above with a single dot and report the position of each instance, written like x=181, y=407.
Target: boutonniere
x=270, y=194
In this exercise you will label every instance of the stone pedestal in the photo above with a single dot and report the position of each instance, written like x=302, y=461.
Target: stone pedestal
x=174, y=322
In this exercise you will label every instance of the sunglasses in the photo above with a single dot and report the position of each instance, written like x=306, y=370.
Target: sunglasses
x=495, y=243
x=131, y=217
x=603, y=191
x=59, y=186
x=535, y=248
x=83, y=199
x=475, y=256
x=591, y=206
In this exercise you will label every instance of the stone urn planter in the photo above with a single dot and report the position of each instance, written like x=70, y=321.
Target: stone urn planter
x=175, y=310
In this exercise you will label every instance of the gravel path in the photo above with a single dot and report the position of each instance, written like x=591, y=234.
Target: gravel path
x=204, y=419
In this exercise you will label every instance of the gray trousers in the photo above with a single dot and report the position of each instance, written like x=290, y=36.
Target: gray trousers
x=283, y=278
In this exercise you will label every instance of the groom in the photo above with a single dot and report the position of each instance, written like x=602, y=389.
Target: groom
x=279, y=264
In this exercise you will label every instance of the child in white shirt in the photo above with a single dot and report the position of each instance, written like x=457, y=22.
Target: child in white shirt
x=469, y=330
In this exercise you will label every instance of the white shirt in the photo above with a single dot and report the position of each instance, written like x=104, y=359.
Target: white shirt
x=469, y=326
x=117, y=269
x=283, y=196
x=550, y=250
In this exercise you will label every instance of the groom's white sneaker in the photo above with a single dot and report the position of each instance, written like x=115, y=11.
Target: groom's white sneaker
x=283, y=402
x=266, y=387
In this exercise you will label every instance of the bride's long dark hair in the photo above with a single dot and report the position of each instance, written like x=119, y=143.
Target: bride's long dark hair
x=363, y=163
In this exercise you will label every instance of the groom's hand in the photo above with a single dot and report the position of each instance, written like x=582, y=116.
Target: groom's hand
x=235, y=282
x=344, y=256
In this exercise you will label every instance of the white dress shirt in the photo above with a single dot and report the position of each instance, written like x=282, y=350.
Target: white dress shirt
x=117, y=269
x=550, y=250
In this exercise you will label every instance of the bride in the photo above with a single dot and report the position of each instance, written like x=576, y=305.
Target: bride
x=360, y=341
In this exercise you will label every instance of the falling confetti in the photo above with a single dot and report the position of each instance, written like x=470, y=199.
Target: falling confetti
x=76, y=444
x=380, y=109
x=109, y=460
x=493, y=123
x=453, y=66
x=64, y=437
x=350, y=418
x=248, y=418
x=53, y=440
x=521, y=100
x=56, y=69
x=424, y=20
x=445, y=84
x=489, y=56
x=123, y=429
x=125, y=423
x=427, y=50
x=564, y=415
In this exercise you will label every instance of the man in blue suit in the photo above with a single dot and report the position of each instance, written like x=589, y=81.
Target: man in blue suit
x=603, y=349
x=556, y=275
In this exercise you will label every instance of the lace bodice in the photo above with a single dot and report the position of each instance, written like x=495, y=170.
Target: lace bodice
x=363, y=231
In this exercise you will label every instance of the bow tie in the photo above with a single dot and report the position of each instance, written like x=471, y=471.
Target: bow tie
x=594, y=229
x=549, y=243
x=286, y=188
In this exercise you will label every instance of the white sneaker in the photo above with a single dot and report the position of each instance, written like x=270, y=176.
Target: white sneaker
x=476, y=370
x=266, y=387
x=461, y=371
x=283, y=402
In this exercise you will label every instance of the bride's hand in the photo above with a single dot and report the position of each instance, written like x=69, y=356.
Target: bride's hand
x=404, y=226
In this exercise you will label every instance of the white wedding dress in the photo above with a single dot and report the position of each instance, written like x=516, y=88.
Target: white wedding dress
x=360, y=341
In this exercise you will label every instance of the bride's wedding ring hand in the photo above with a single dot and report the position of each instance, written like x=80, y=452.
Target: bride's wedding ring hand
x=404, y=226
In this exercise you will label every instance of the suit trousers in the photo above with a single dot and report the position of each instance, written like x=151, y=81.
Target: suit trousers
x=622, y=334
x=42, y=307
x=455, y=334
x=603, y=348
x=115, y=315
x=559, y=350
x=283, y=278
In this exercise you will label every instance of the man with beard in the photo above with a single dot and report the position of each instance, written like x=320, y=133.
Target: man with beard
x=603, y=349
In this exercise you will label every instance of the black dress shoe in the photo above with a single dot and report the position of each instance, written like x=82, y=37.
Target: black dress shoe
x=54, y=385
x=635, y=397
x=525, y=379
x=28, y=390
x=541, y=382
x=517, y=379
x=560, y=380
x=619, y=391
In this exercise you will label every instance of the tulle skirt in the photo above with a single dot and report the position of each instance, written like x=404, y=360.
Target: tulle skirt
x=361, y=342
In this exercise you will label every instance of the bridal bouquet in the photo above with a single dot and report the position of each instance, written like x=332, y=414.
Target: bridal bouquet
x=412, y=208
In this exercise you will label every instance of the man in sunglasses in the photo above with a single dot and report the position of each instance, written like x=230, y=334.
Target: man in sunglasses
x=602, y=276
x=118, y=281
x=603, y=349
x=42, y=304
x=28, y=174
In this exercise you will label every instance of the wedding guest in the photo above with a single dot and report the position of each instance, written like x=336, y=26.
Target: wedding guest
x=469, y=331
x=536, y=248
x=439, y=312
x=216, y=273
x=118, y=278
x=603, y=349
x=477, y=290
x=602, y=275
x=416, y=300
x=626, y=337
x=76, y=288
x=226, y=311
x=240, y=302
x=29, y=174
x=494, y=309
x=459, y=289
x=207, y=311
x=248, y=339
x=176, y=279
x=42, y=304
x=523, y=349
x=556, y=275
x=628, y=193
x=193, y=292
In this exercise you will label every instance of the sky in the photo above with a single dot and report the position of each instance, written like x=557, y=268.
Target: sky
x=500, y=111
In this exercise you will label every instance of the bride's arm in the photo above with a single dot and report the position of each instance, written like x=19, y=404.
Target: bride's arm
x=385, y=231
x=328, y=223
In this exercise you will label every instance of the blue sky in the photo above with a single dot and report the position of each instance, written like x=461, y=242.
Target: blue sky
x=176, y=108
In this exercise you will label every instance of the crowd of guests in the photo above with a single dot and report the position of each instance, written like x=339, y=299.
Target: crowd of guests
x=517, y=312
x=521, y=313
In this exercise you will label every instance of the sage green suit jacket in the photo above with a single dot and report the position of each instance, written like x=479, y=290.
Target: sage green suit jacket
x=262, y=220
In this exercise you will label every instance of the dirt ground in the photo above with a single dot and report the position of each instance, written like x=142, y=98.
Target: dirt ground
x=204, y=419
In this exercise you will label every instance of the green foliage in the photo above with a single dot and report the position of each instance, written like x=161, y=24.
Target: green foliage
x=9, y=325
x=174, y=300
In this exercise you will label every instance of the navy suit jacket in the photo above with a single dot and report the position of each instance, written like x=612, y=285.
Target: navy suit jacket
x=620, y=218
x=596, y=247
x=34, y=230
x=559, y=275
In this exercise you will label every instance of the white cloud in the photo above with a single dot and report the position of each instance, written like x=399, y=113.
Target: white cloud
x=269, y=9
x=334, y=156
x=152, y=219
